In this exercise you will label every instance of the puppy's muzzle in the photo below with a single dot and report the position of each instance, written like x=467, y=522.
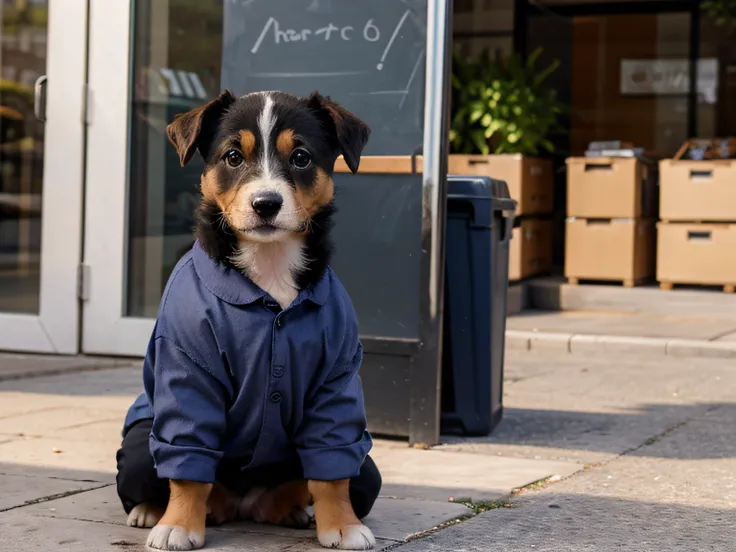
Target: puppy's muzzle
x=267, y=203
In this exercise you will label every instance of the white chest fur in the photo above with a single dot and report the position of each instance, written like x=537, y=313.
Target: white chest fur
x=272, y=266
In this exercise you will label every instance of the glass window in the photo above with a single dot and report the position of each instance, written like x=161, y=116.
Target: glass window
x=625, y=77
x=176, y=66
x=717, y=87
x=22, y=61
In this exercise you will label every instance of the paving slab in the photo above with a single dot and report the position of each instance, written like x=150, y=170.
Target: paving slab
x=19, y=490
x=547, y=341
x=94, y=460
x=445, y=475
x=392, y=520
x=16, y=366
x=62, y=421
x=729, y=337
x=615, y=344
x=27, y=533
x=707, y=349
x=110, y=389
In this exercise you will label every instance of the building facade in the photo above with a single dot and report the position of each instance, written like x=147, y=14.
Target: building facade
x=85, y=272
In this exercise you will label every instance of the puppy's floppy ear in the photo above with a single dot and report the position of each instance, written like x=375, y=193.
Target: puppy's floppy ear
x=350, y=132
x=194, y=129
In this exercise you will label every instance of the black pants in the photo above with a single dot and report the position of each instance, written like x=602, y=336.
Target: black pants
x=138, y=482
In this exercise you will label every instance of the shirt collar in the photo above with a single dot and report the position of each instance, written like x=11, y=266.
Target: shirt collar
x=232, y=286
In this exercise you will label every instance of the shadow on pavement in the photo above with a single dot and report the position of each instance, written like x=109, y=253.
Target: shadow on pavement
x=612, y=433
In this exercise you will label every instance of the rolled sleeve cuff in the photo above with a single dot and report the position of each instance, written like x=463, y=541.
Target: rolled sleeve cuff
x=334, y=463
x=184, y=463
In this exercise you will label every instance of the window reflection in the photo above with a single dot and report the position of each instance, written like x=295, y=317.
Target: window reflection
x=22, y=61
x=176, y=66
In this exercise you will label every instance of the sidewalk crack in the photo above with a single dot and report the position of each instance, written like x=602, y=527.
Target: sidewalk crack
x=54, y=497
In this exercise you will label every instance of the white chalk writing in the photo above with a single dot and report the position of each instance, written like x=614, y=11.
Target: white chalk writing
x=273, y=30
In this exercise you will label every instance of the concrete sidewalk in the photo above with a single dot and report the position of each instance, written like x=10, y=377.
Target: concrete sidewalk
x=643, y=446
x=59, y=433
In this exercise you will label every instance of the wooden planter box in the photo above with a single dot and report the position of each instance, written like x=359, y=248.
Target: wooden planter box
x=530, y=180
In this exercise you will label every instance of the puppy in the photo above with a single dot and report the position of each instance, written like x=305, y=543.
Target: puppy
x=253, y=407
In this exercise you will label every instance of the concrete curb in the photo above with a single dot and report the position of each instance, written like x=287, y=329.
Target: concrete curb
x=584, y=344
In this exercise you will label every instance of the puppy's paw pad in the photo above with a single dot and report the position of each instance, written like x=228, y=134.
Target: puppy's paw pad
x=144, y=515
x=352, y=537
x=172, y=537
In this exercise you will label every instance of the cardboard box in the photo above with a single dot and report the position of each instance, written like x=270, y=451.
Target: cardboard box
x=617, y=249
x=697, y=190
x=530, y=180
x=696, y=253
x=530, y=249
x=611, y=187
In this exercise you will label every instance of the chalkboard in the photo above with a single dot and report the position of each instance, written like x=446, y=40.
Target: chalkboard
x=368, y=55
x=377, y=239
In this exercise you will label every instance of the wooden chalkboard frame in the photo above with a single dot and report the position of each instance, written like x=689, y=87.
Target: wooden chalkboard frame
x=385, y=164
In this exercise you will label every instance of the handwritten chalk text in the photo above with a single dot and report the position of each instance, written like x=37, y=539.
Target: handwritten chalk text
x=272, y=31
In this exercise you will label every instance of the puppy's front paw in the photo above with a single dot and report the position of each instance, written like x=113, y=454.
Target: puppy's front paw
x=144, y=515
x=347, y=537
x=183, y=524
x=337, y=524
x=171, y=537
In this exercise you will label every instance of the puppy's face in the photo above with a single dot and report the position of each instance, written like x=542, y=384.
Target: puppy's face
x=269, y=158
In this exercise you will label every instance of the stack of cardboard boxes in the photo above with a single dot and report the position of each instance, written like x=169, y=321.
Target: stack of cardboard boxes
x=697, y=233
x=611, y=210
x=531, y=182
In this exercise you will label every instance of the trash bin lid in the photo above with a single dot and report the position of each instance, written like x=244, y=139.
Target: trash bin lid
x=480, y=187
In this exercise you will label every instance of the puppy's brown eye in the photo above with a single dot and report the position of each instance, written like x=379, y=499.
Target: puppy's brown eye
x=234, y=158
x=301, y=159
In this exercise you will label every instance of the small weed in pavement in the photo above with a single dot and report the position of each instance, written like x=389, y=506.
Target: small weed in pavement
x=483, y=505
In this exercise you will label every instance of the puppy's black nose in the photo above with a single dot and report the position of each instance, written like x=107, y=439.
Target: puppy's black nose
x=267, y=203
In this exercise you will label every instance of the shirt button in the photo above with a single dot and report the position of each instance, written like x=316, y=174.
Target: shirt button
x=276, y=397
x=279, y=323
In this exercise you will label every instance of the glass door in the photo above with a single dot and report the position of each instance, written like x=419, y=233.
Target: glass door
x=139, y=202
x=42, y=76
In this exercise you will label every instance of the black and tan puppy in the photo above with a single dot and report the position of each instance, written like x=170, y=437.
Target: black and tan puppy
x=253, y=407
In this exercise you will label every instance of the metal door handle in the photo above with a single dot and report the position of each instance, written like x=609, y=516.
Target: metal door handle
x=39, y=98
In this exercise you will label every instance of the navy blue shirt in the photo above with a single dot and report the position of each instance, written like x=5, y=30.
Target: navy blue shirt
x=228, y=374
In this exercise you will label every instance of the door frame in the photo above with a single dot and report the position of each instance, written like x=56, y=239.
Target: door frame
x=55, y=329
x=105, y=328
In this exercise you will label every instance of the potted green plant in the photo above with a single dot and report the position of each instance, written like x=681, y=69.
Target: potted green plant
x=503, y=115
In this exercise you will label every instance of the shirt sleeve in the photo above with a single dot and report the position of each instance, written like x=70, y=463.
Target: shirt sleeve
x=189, y=413
x=333, y=439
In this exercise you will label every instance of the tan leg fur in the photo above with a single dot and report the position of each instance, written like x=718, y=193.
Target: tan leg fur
x=183, y=523
x=337, y=524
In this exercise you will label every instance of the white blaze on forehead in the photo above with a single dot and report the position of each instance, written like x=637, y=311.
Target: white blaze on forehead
x=266, y=122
